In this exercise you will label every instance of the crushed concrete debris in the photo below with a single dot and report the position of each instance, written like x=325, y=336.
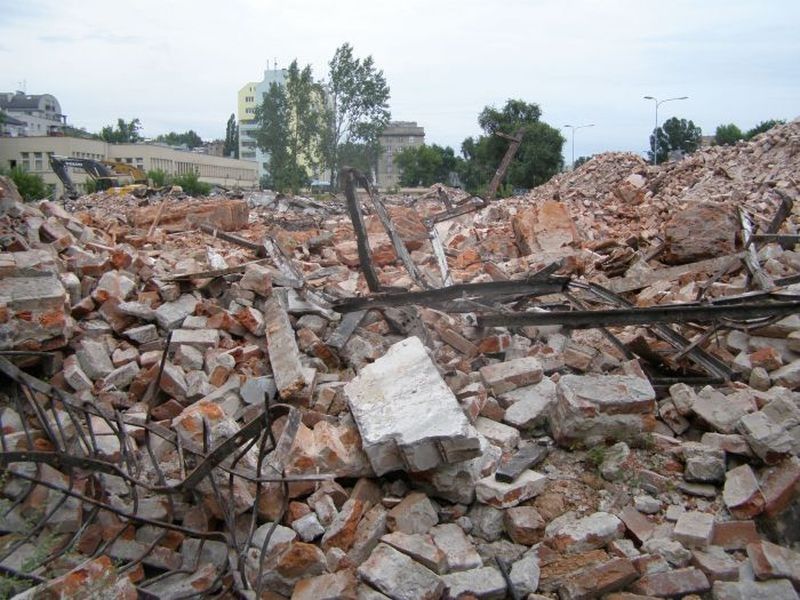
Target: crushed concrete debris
x=191, y=404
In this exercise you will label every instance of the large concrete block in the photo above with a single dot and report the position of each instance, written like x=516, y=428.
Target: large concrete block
x=32, y=313
x=407, y=415
x=33, y=293
x=593, y=408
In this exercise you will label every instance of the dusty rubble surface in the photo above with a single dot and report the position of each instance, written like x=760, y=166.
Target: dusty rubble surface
x=194, y=403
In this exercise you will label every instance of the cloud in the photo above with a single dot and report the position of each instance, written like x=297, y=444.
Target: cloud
x=104, y=37
x=182, y=62
x=15, y=12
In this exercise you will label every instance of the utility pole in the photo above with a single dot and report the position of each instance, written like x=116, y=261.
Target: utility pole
x=655, y=131
x=574, y=127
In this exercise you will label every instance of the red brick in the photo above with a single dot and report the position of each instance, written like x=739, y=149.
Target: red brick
x=673, y=583
x=594, y=581
x=771, y=561
x=734, y=535
x=779, y=485
x=638, y=527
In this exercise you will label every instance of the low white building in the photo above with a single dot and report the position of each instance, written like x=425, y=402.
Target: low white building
x=32, y=154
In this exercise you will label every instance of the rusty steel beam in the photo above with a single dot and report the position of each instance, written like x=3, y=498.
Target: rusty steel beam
x=486, y=291
x=351, y=176
x=680, y=313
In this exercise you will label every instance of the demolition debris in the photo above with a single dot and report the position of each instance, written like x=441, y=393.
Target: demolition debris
x=589, y=390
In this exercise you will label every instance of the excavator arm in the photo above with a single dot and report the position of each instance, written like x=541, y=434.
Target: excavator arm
x=104, y=176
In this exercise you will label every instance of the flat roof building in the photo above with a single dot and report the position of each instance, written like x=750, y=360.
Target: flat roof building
x=397, y=136
x=32, y=154
x=249, y=97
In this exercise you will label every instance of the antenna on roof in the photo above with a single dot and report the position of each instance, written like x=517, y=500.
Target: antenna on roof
x=23, y=86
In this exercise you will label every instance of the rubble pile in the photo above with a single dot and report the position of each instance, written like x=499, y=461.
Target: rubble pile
x=210, y=396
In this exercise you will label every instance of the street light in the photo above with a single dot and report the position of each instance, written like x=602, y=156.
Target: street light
x=655, y=131
x=574, y=127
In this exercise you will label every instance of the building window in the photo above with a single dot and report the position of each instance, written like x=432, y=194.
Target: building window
x=38, y=164
x=26, y=162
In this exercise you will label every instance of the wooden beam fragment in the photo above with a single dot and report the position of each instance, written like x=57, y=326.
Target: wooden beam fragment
x=397, y=242
x=759, y=277
x=516, y=140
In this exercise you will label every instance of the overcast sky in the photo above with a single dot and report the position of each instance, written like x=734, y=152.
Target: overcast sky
x=177, y=65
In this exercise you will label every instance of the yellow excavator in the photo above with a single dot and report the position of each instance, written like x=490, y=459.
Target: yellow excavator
x=105, y=173
x=137, y=175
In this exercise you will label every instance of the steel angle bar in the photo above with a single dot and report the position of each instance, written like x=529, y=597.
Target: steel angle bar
x=581, y=319
x=531, y=286
x=714, y=366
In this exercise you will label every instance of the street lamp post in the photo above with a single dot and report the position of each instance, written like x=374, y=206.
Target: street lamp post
x=655, y=131
x=574, y=127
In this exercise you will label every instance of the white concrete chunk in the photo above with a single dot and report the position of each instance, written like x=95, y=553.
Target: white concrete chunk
x=486, y=583
x=592, y=408
x=530, y=405
x=75, y=376
x=407, y=415
x=694, y=528
x=197, y=338
x=171, y=314
x=505, y=495
x=399, y=576
x=499, y=434
x=94, y=359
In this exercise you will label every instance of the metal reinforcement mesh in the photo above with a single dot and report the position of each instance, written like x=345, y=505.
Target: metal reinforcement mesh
x=176, y=510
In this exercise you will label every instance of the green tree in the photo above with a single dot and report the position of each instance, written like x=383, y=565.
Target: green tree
x=124, y=133
x=30, y=185
x=158, y=177
x=291, y=124
x=191, y=184
x=675, y=135
x=358, y=109
x=190, y=139
x=537, y=159
x=425, y=165
x=231, y=146
x=306, y=114
x=272, y=136
x=727, y=135
x=762, y=127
